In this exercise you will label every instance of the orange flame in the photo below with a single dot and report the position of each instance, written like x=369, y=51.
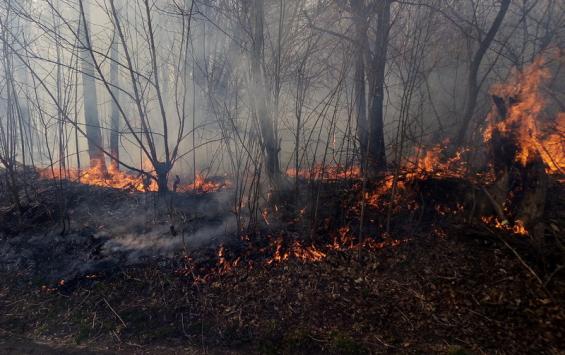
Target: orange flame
x=118, y=179
x=320, y=172
x=201, y=184
x=296, y=251
x=522, y=118
x=431, y=162
x=518, y=228
x=96, y=176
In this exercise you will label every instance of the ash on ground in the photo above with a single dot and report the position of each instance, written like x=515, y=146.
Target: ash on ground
x=69, y=231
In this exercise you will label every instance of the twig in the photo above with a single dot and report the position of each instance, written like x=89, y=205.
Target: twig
x=384, y=343
x=117, y=315
x=559, y=268
x=495, y=205
x=519, y=259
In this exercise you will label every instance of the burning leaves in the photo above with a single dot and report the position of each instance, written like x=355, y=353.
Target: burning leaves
x=280, y=250
x=202, y=184
x=296, y=251
x=433, y=162
x=326, y=173
x=517, y=228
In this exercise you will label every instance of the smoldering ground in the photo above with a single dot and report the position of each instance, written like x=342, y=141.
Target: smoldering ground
x=108, y=229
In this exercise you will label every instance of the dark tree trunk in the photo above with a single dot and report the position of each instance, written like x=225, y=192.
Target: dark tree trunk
x=115, y=118
x=260, y=95
x=361, y=45
x=93, y=133
x=522, y=189
x=473, y=86
x=162, y=171
x=376, y=143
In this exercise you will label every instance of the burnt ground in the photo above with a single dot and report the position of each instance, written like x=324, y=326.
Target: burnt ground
x=68, y=231
x=451, y=286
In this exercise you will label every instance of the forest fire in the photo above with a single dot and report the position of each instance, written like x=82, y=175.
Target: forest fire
x=301, y=177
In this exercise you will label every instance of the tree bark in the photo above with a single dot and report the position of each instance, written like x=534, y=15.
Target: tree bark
x=115, y=118
x=361, y=45
x=521, y=188
x=473, y=85
x=162, y=171
x=93, y=132
x=259, y=92
x=376, y=162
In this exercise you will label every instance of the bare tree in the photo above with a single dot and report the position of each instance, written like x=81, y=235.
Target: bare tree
x=115, y=115
x=93, y=132
x=259, y=93
x=473, y=83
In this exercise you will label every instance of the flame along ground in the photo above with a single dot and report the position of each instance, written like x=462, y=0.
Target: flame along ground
x=118, y=179
x=297, y=251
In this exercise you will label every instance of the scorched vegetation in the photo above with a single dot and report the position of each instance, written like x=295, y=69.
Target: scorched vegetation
x=258, y=176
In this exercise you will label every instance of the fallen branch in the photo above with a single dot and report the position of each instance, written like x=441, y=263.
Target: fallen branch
x=557, y=270
x=117, y=315
x=496, y=206
x=524, y=264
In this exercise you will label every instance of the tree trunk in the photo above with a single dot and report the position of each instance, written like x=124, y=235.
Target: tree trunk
x=93, y=133
x=115, y=118
x=473, y=86
x=361, y=46
x=522, y=189
x=376, y=148
x=162, y=171
x=260, y=98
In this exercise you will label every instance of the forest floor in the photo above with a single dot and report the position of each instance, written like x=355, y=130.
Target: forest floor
x=454, y=290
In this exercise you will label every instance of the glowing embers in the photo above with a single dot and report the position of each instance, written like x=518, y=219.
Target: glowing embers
x=520, y=118
x=516, y=228
x=320, y=172
x=344, y=240
x=224, y=265
x=280, y=250
x=296, y=251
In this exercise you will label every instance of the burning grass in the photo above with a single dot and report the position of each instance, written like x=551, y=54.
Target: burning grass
x=112, y=177
x=326, y=173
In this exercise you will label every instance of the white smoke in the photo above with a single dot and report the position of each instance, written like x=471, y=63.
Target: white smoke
x=161, y=242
